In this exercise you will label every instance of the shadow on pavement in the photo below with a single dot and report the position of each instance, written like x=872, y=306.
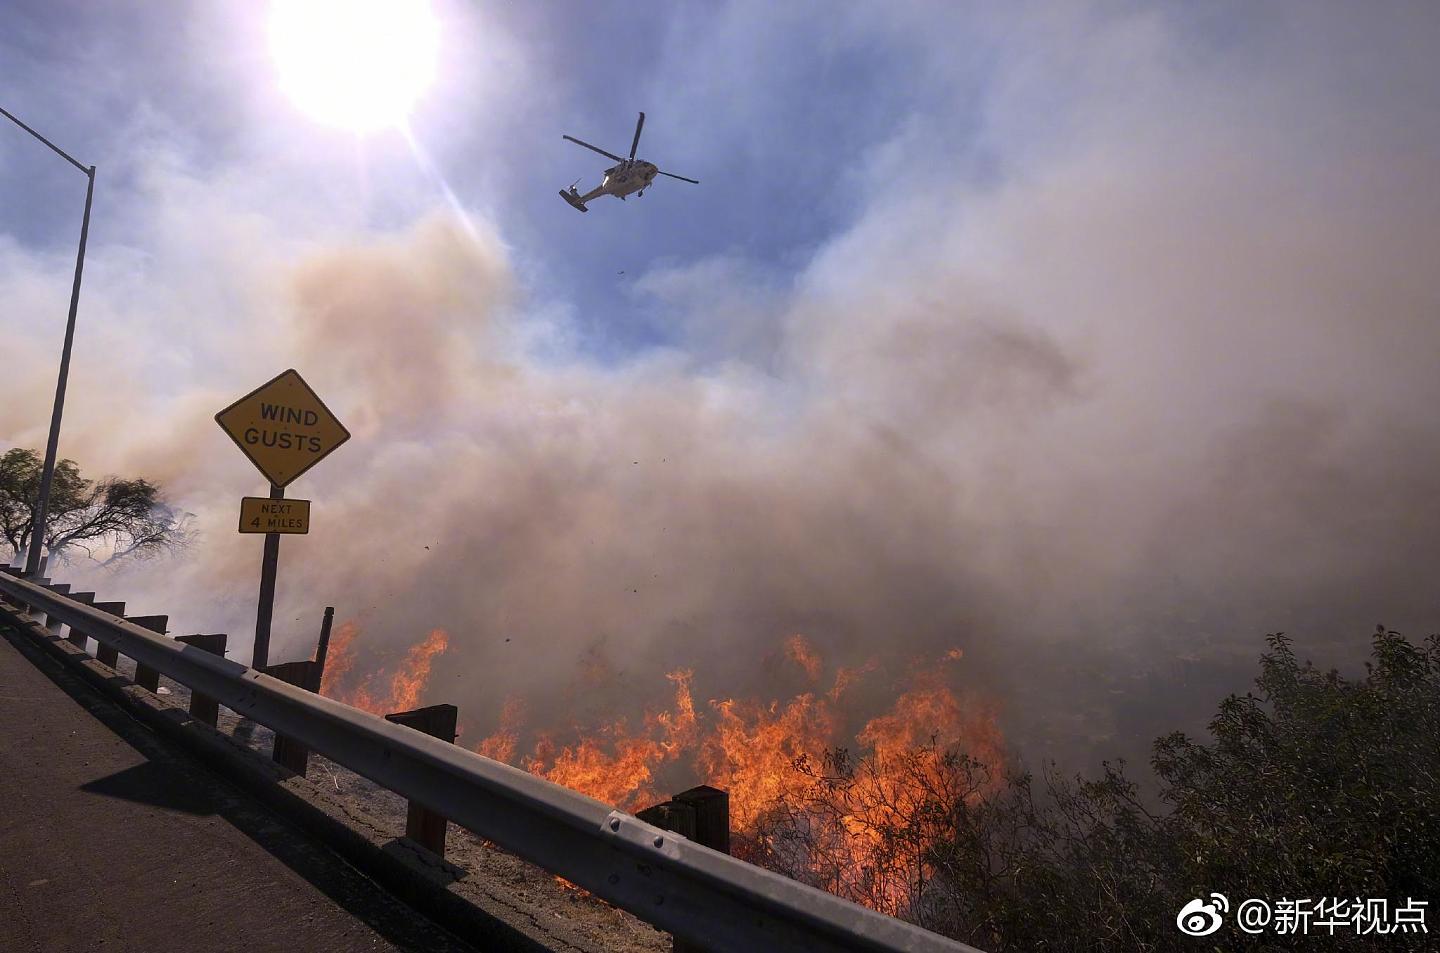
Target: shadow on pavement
x=152, y=784
x=170, y=779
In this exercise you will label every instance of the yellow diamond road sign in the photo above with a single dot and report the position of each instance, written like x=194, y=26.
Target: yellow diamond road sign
x=282, y=427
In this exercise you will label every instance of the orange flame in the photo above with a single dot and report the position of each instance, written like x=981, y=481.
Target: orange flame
x=680, y=727
x=409, y=681
x=339, y=657
x=753, y=750
x=612, y=765
x=857, y=820
x=407, y=684
x=887, y=807
x=618, y=776
x=501, y=744
x=799, y=650
x=846, y=677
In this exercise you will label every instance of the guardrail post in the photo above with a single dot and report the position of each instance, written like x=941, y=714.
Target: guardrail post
x=25, y=607
x=53, y=625
x=701, y=814
x=712, y=815
x=203, y=707
x=105, y=654
x=10, y=571
x=289, y=753
x=145, y=676
x=324, y=646
x=422, y=825
x=77, y=637
x=671, y=816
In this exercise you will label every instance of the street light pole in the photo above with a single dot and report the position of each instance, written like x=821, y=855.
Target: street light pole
x=47, y=475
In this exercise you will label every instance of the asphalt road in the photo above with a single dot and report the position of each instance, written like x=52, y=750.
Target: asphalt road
x=111, y=840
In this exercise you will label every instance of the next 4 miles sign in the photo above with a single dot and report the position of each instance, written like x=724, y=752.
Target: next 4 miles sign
x=260, y=514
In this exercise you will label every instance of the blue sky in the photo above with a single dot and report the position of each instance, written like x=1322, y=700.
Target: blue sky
x=779, y=108
x=775, y=127
x=1060, y=330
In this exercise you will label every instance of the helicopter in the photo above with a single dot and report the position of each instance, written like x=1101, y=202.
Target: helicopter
x=630, y=175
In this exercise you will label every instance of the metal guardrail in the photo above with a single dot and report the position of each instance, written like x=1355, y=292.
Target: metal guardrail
x=693, y=892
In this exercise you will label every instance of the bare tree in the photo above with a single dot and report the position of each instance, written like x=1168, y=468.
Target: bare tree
x=107, y=519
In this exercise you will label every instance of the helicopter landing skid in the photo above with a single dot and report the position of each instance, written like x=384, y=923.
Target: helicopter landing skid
x=573, y=200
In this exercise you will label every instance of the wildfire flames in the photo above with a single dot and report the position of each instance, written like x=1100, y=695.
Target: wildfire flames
x=855, y=818
x=799, y=650
x=859, y=825
x=406, y=682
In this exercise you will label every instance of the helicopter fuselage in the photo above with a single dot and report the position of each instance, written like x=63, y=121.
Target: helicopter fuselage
x=631, y=175
x=627, y=177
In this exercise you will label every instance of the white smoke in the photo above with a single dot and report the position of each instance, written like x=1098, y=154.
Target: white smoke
x=1102, y=420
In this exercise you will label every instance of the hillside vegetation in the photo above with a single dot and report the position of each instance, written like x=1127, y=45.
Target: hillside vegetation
x=1313, y=792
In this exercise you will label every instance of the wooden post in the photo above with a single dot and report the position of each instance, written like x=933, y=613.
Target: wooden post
x=712, y=816
x=323, y=648
x=31, y=611
x=204, y=707
x=145, y=676
x=53, y=625
x=288, y=752
x=701, y=814
x=12, y=601
x=423, y=825
x=671, y=816
x=76, y=636
x=104, y=654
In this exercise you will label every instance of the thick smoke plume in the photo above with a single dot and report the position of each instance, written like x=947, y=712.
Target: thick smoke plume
x=1164, y=386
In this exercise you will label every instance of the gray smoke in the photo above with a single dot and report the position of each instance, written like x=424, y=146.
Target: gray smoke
x=1163, y=386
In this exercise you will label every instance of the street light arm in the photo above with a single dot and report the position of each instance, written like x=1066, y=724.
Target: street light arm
x=59, y=151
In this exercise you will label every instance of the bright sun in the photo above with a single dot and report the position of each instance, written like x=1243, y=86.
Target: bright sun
x=356, y=64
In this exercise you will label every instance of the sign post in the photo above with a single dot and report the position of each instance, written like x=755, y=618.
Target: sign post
x=269, y=563
x=284, y=428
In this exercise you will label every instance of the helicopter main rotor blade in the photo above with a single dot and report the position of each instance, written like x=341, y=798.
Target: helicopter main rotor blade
x=608, y=155
x=635, y=144
x=680, y=177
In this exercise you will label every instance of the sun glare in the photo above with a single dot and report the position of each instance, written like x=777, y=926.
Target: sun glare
x=356, y=64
